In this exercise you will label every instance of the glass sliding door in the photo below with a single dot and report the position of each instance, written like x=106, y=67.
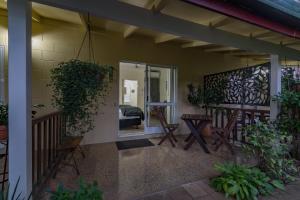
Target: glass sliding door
x=160, y=91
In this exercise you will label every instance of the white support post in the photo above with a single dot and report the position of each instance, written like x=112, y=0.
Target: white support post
x=19, y=94
x=275, y=86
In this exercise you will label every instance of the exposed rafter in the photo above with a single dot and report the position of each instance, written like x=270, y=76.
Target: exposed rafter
x=291, y=43
x=140, y=17
x=194, y=44
x=217, y=49
x=83, y=20
x=34, y=15
x=242, y=53
x=165, y=37
x=221, y=21
x=159, y=5
x=264, y=34
x=261, y=56
x=129, y=31
x=155, y=6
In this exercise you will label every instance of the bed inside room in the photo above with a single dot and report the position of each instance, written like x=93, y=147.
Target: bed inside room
x=131, y=99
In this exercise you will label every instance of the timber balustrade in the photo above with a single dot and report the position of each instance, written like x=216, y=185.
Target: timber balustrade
x=246, y=117
x=47, y=132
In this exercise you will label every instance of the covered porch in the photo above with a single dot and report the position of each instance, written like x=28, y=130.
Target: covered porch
x=196, y=40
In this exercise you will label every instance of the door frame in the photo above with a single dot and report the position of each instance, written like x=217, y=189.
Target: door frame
x=175, y=96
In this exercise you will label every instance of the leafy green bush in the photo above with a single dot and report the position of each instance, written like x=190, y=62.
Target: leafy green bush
x=77, y=89
x=215, y=96
x=243, y=183
x=195, y=96
x=85, y=191
x=271, y=146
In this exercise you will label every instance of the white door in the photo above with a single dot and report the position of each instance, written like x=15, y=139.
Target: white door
x=160, y=91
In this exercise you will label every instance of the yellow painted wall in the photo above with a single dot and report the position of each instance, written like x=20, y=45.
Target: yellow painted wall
x=53, y=42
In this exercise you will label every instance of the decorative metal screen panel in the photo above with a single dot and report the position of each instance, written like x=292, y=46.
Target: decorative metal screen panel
x=246, y=86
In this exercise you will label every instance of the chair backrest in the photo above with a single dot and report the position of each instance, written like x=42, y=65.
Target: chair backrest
x=232, y=120
x=161, y=115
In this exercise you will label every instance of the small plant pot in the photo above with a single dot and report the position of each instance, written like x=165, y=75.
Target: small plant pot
x=207, y=131
x=3, y=132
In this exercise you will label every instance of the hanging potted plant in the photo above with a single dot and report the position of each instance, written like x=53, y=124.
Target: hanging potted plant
x=78, y=90
x=3, y=121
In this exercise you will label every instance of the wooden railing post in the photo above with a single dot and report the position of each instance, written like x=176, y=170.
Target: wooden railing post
x=46, y=136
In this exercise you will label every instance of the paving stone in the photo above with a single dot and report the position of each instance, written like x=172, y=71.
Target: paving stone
x=179, y=194
x=195, y=190
x=204, y=185
x=156, y=196
x=219, y=196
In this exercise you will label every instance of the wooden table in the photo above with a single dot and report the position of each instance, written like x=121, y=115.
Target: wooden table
x=196, y=124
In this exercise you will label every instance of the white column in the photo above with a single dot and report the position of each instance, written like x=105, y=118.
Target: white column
x=275, y=86
x=19, y=94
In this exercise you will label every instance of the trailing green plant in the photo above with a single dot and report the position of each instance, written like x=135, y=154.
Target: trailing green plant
x=198, y=96
x=271, y=146
x=243, y=183
x=78, y=89
x=195, y=96
x=3, y=114
x=85, y=191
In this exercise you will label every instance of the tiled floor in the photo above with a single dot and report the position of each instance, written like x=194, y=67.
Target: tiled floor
x=158, y=172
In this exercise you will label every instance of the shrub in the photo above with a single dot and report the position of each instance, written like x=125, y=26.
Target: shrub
x=271, y=146
x=243, y=183
x=85, y=191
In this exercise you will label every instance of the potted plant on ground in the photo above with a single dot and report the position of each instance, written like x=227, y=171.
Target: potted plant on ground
x=3, y=121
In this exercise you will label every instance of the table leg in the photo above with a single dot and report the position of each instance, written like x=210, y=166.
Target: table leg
x=197, y=135
x=189, y=137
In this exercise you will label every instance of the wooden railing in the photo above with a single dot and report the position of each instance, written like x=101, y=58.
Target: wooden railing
x=246, y=117
x=47, y=132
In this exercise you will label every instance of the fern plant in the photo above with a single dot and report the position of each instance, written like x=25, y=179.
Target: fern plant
x=85, y=191
x=243, y=183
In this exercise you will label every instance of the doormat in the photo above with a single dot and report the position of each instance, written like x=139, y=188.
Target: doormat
x=130, y=144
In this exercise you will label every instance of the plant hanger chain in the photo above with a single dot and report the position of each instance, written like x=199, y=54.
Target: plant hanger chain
x=90, y=43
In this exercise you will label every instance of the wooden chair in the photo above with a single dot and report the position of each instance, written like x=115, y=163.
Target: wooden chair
x=224, y=133
x=167, y=128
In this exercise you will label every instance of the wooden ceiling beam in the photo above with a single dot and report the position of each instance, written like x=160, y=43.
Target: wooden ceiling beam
x=129, y=31
x=155, y=6
x=165, y=38
x=34, y=15
x=140, y=17
x=217, y=49
x=195, y=44
x=263, y=34
x=291, y=43
x=221, y=21
x=159, y=5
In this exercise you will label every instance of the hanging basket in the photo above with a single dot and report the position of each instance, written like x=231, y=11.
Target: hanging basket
x=3, y=132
